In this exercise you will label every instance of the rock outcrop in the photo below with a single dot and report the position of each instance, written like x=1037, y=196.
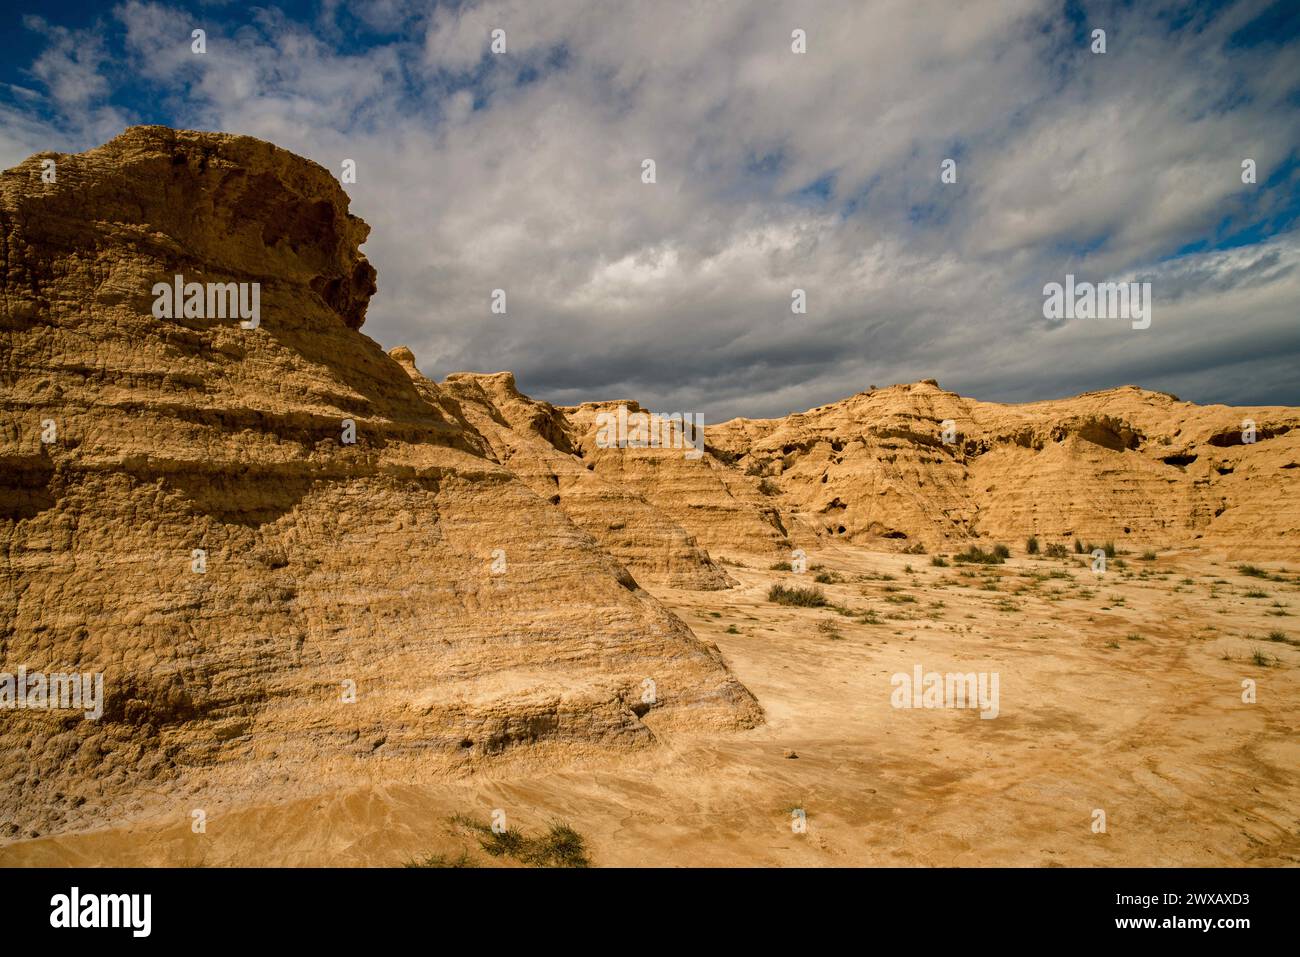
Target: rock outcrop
x=536, y=441
x=914, y=464
x=294, y=565
x=727, y=510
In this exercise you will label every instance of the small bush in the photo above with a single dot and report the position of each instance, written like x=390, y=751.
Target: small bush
x=799, y=597
x=1002, y=552
x=1031, y=545
x=938, y=561
x=1056, y=550
x=560, y=846
x=827, y=628
x=1078, y=547
x=779, y=567
x=441, y=860
x=507, y=843
x=1252, y=571
x=1147, y=556
x=974, y=555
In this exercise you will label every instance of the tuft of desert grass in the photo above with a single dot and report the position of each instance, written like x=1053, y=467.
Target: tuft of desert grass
x=798, y=597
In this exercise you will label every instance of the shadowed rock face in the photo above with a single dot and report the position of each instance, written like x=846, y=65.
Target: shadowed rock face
x=471, y=616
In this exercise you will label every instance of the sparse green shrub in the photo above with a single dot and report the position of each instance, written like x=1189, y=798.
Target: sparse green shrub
x=975, y=555
x=560, y=846
x=827, y=628
x=442, y=860
x=799, y=597
x=1031, y=545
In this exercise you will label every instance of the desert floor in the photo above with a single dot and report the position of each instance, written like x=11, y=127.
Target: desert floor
x=1121, y=693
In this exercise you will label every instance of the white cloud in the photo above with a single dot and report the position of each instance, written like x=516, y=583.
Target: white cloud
x=522, y=172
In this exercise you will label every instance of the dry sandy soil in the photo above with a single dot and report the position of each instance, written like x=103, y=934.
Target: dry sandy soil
x=1122, y=693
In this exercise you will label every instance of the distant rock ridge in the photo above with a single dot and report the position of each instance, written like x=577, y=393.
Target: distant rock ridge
x=914, y=465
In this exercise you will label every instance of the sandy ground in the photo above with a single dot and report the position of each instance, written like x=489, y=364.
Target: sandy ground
x=1122, y=694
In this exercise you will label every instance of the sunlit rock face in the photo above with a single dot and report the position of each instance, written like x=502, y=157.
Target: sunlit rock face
x=294, y=566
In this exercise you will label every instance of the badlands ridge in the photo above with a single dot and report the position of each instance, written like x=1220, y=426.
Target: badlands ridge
x=469, y=581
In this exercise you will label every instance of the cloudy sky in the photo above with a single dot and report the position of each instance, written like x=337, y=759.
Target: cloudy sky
x=775, y=170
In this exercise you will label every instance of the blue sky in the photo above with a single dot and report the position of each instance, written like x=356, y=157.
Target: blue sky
x=775, y=171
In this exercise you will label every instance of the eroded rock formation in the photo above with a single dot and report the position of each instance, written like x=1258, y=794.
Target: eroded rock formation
x=198, y=527
x=1122, y=464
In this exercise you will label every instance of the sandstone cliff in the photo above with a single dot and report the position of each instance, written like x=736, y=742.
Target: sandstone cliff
x=1122, y=464
x=409, y=569
x=536, y=441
